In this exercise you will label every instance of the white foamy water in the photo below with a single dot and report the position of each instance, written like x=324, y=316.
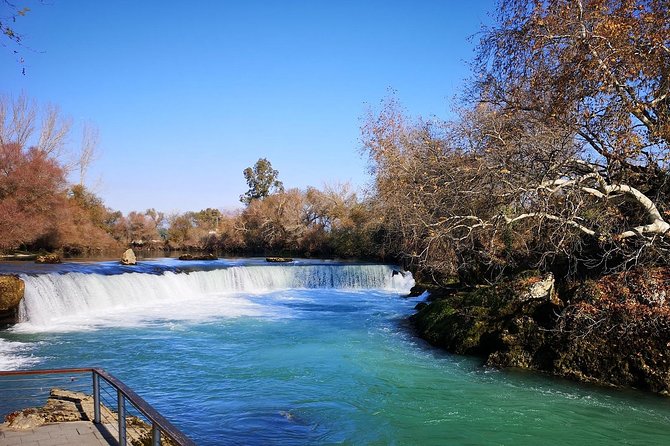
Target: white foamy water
x=16, y=355
x=80, y=301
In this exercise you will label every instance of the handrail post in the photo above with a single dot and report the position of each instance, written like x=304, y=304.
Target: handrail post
x=96, y=398
x=121, y=402
x=155, y=435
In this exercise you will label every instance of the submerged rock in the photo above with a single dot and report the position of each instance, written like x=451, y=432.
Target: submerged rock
x=128, y=258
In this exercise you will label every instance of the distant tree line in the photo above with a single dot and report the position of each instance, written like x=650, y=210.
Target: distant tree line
x=328, y=222
x=40, y=210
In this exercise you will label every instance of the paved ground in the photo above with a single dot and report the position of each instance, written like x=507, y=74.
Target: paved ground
x=79, y=433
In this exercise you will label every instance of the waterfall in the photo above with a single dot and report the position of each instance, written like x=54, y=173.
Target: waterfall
x=50, y=296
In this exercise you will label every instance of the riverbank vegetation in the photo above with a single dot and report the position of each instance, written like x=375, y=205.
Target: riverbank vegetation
x=560, y=163
x=559, y=158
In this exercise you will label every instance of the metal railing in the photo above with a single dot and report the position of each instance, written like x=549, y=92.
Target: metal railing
x=116, y=407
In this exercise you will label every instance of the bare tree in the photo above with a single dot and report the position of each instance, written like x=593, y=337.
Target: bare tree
x=24, y=123
x=599, y=67
x=494, y=192
x=54, y=130
x=563, y=156
x=89, y=150
x=17, y=119
x=598, y=72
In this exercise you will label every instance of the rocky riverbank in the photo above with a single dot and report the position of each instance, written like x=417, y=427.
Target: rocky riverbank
x=612, y=331
x=61, y=406
x=65, y=406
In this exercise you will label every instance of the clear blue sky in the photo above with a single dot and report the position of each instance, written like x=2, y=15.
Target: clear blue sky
x=188, y=94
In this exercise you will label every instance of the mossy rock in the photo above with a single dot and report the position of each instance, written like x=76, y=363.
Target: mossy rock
x=613, y=331
x=458, y=330
x=503, y=323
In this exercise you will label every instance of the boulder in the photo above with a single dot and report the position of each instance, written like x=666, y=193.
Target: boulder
x=541, y=289
x=11, y=292
x=128, y=258
x=417, y=290
x=49, y=258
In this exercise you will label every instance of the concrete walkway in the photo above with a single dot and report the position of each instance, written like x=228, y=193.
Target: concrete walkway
x=79, y=433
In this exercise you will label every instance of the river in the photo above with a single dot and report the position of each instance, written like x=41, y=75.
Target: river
x=312, y=353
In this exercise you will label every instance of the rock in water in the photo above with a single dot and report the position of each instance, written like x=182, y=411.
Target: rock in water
x=48, y=258
x=506, y=323
x=614, y=330
x=129, y=258
x=11, y=293
x=198, y=257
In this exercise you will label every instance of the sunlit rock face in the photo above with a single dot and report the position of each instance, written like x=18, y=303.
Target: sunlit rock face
x=49, y=258
x=128, y=258
x=11, y=292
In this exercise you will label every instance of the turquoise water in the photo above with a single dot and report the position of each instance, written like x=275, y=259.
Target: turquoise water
x=332, y=361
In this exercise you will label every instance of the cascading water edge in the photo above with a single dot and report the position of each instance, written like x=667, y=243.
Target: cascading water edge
x=75, y=300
